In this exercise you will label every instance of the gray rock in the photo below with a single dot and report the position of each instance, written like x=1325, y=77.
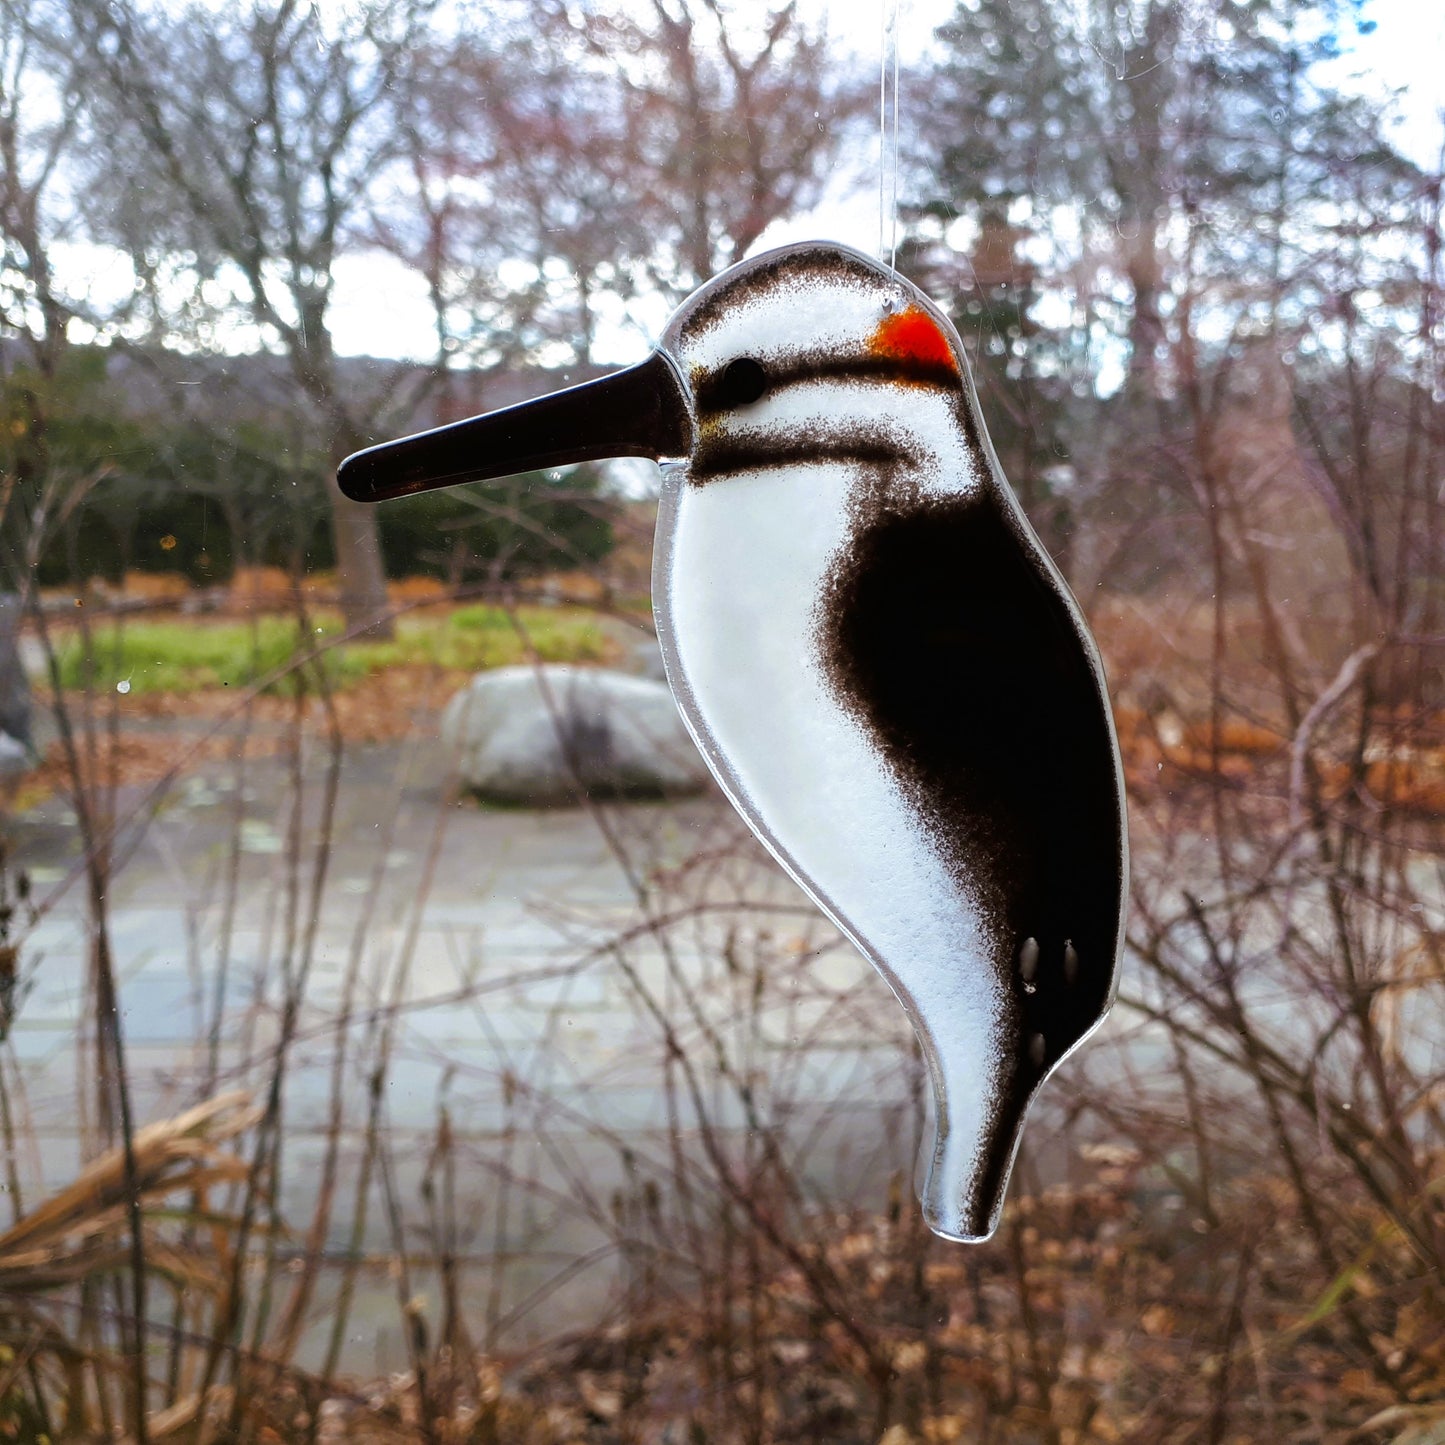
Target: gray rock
x=15, y=708
x=14, y=756
x=541, y=736
x=647, y=659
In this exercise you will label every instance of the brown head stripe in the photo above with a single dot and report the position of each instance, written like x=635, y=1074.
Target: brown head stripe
x=790, y=269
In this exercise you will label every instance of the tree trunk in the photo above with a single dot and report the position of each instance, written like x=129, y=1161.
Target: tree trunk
x=360, y=576
x=1146, y=321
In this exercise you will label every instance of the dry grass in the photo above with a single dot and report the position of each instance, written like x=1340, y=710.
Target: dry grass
x=79, y=1231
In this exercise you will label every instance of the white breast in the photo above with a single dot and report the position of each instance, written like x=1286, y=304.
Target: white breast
x=740, y=567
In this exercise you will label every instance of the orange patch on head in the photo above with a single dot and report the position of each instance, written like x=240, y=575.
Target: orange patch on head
x=913, y=335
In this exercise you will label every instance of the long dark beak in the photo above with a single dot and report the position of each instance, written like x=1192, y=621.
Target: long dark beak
x=639, y=412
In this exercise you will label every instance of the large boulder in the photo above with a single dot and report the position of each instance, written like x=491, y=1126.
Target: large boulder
x=543, y=735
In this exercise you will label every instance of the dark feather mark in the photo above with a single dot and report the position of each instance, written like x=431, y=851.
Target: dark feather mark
x=767, y=451
x=715, y=395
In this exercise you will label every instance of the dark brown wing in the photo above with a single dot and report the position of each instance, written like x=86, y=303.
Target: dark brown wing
x=947, y=634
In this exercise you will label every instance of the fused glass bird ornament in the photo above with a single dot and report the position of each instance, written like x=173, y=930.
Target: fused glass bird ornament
x=878, y=659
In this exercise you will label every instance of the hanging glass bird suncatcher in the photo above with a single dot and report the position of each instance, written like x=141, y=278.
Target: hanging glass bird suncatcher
x=882, y=666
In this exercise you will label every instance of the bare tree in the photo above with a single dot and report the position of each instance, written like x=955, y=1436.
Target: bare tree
x=245, y=142
x=35, y=130
x=734, y=117
x=516, y=199
x=555, y=157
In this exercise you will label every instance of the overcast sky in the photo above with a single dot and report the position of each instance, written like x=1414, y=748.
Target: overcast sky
x=380, y=308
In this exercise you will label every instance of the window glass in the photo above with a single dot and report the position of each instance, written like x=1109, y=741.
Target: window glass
x=398, y=1030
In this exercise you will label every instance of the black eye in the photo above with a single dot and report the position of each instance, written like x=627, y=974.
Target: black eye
x=742, y=382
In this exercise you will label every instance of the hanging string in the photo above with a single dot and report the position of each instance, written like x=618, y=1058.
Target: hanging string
x=888, y=61
x=893, y=244
x=882, y=120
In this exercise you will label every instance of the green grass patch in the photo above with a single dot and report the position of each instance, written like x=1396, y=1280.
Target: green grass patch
x=177, y=656
x=183, y=657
